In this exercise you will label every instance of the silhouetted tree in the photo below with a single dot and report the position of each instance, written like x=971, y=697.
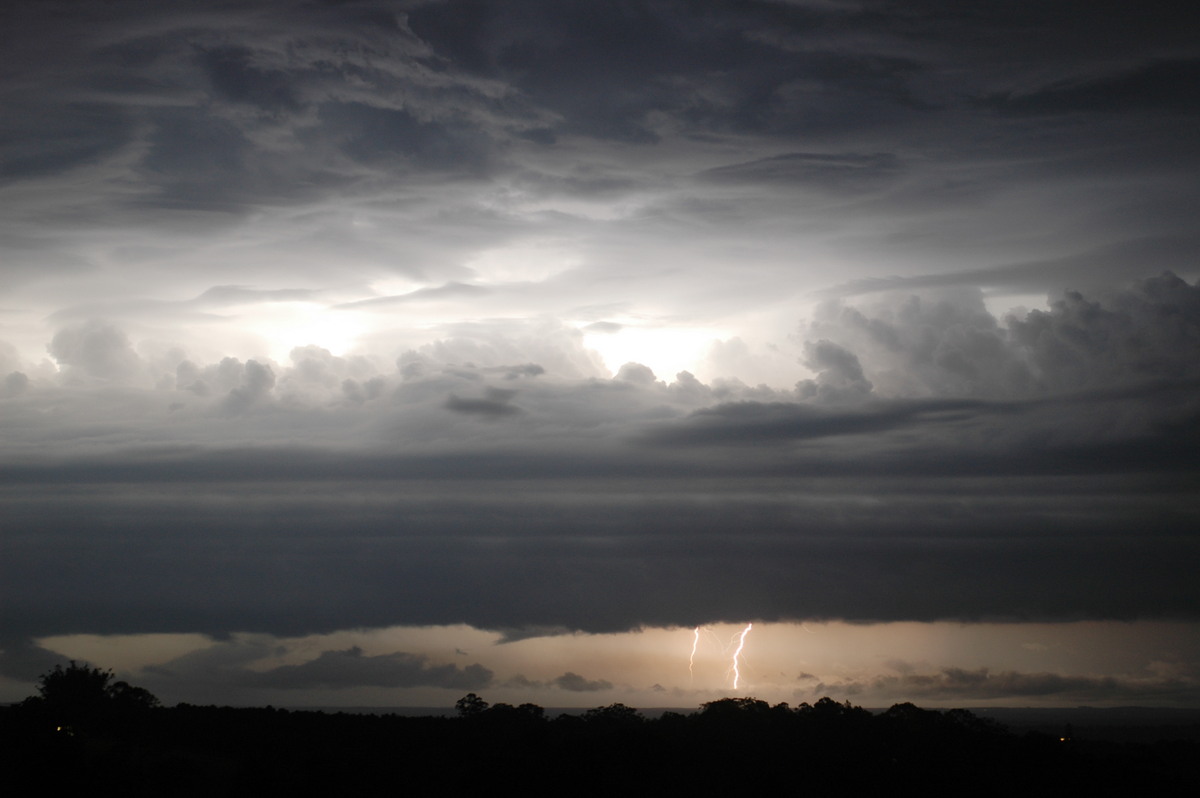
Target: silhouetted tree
x=71, y=697
x=532, y=711
x=128, y=697
x=80, y=697
x=75, y=684
x=470, y=706
x=730, y=707
x=614, y=715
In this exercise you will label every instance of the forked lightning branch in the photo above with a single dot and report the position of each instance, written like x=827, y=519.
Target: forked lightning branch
x=736, y=645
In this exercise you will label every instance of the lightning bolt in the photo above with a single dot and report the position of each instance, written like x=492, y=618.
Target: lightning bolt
x=737, y=674
x=737, y=643
x=692, y=659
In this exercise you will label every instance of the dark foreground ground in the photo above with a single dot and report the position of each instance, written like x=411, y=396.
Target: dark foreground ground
x=734, y=746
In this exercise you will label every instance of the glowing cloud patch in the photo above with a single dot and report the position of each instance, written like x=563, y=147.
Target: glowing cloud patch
x=286, y=325
x=665, y=350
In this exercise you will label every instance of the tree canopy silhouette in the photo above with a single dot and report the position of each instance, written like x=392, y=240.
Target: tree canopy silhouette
x=80, y=697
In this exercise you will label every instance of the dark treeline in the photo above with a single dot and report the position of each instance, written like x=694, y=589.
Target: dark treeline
x=127, y=743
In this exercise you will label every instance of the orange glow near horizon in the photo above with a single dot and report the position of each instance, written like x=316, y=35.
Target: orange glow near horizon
x=872, y=664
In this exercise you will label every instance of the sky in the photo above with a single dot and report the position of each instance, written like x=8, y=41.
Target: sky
x=373, y=353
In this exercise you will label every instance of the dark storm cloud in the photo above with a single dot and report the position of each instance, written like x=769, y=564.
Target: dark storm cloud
x=228, y=665
x=847, y=171
x=23, y=661
x=577, y=684
x=587, y=63
x=983, y=684
x=351, y=668
x=220, y=102
x=1099, y=266
x=237, y=78
x=495, y=405
x=620, y=71
x=371, y=73
x=756, y=423
x=372, y=135
x=83, y=133
x=227, y=657
x=780, y=67
x=1167, y=85
x=210, y=114
x=198, y=161
x=596, y=556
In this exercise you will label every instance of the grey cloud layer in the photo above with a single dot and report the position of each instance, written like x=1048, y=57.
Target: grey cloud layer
x=459, y=125
x=1040, y=469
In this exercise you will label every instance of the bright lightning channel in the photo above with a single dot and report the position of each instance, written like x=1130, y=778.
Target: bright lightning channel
x=737, y=675
x=692, y=659
x=738, y=640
